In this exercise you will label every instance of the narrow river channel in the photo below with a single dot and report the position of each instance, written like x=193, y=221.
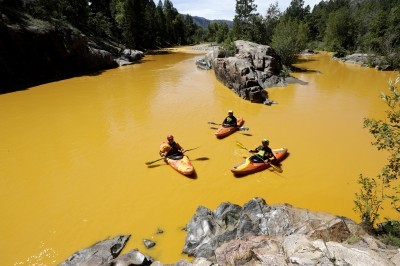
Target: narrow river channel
x=73, y=152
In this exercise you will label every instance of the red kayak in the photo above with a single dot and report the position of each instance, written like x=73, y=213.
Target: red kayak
x=249, y=167
x=223, y=132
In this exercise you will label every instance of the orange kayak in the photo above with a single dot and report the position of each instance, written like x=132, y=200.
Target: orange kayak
x=180, y=163
x=249, y=167
x=223, y=132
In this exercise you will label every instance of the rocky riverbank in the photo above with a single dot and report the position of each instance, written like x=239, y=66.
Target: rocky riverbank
x=257, y=234
x=35, y=52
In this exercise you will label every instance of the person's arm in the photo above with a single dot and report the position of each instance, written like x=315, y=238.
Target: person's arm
x=179, y=147
x=254, y=150
x=271, y=154
x=234, y=121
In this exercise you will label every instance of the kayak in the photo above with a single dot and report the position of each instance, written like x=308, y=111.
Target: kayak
x=180, y=163
x=223, y=132
x=249, y=167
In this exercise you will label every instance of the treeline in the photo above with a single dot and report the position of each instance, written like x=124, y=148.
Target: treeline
x=342, y=26
x=139, y=24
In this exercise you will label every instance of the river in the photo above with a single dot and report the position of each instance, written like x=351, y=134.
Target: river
x=73, y=152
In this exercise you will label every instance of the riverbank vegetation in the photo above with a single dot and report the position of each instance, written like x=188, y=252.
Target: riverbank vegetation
x=375, y=191
x=342, y=26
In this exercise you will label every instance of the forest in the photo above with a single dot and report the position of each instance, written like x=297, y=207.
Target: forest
x=341, y=26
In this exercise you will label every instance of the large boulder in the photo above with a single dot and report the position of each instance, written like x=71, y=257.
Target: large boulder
x=261, y=234
x=253, y=68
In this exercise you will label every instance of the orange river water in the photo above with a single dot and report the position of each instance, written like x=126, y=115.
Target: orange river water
x=73, y=152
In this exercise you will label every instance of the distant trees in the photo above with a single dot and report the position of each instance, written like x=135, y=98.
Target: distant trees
x=340, y=30
x=291, y=33
x=140, y=24
x=346, y=26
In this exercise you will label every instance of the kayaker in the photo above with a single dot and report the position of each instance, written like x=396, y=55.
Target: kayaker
x=263, y=151
x=230, y=120
x=171, y=148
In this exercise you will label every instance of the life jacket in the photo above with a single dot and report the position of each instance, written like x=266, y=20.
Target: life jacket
x=261, y=153
x=164, y=147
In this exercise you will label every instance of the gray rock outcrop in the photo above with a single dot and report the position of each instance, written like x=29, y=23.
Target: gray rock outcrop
x=253, y=68
x=101, y=253
x=33, y=52
x=257, y=234
x=260, y=234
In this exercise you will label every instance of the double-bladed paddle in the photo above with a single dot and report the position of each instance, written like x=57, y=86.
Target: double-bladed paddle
x=239, y=128
x=162, y=158
x=276, y=168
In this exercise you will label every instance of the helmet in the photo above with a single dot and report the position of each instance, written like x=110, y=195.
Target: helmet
x=230, y=112
x=170, y=137
x=265, y=141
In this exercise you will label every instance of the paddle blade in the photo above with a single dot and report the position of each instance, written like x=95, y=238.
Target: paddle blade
x=191, y=149
x=243, y=128
x=150, y=162
x=276, y=168
x=240, y=145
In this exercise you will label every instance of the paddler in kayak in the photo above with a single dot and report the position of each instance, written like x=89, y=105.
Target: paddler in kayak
x=263, y=152
x=171, y=148
x=230, y=120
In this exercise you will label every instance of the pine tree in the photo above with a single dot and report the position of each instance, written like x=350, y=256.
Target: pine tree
x=244, y=19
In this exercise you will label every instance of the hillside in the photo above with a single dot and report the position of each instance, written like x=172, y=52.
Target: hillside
x=203, y=22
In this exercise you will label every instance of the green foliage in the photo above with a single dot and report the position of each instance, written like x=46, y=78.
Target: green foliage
x=340, y=30
x=289, y=39
x=244, y=19
x=341, y=26
x=217, y=32
x=390, y=239
x=368, y=201
x=389, y=232
x=387, y=137
x=99, y=24
x=353, y=239
x=227, y=49
x=296, y=10
x=271, y=21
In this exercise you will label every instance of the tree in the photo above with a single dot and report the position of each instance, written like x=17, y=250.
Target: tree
x=271, y=21
x=76, y=12
x=133, y=23
x=243, y=20
x=159, y=17
x=387, y=137
x=290, y=37
x=340, y=30
x=297, y=11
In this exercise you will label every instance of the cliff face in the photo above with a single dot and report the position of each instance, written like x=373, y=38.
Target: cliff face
x=31, y=54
